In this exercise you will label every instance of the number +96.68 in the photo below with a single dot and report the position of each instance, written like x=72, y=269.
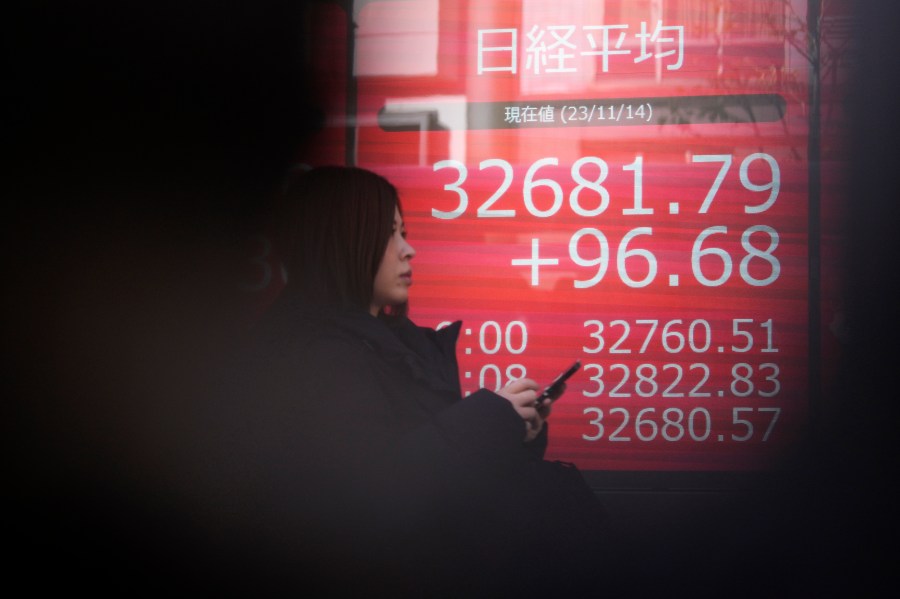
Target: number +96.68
x=702, y=253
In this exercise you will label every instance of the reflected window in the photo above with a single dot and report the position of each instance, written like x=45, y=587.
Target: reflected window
x=396, y=37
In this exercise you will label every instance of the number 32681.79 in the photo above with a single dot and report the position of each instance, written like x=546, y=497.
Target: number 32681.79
x=590, y=197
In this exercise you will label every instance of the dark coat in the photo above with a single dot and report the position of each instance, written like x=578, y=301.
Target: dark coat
x=366, y=470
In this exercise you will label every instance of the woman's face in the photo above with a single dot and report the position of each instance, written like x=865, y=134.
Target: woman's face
x=394, y=275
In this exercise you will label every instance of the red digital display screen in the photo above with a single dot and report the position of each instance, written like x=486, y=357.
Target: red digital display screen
x=622, y=183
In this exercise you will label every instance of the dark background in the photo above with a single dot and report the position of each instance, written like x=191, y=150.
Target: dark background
x=145, y=141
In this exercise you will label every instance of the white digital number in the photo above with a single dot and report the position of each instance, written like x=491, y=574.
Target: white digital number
x=624, y=254
x=737, y=332
x=601, y=261
x=597, y=334
x=502, y=338
x=597, y=378
x=594, y=186
x=597, y=422
x=637, y=168
x=772, y=378
x=725, y=159
x=765, y=255
x=531, y=183
x=735, y=419
x=485, y=211
x=773, y=186
x=697, y=254
x=454, y=187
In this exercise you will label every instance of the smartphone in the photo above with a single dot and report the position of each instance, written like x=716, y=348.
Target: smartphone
x=555, y=388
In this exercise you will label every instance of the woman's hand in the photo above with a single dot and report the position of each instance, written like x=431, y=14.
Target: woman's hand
x=543, y=408
x=522, y=394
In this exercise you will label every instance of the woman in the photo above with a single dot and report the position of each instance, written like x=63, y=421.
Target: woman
x=381, y=463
